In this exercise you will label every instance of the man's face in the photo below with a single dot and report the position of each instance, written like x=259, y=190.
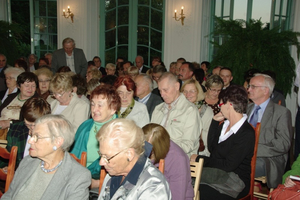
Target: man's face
x=126, y=66
x=142, y=88
x=185, y=73
x=177, y=68
x=97, y=62
x=119, y=61
x=257, y=91
x=216, y=71
x=156, y=76
x=2, y=61
x=31, y=59
x=68, y=47
x=168, y=90
x=49, y=57
x=226, y=76
x=139, y=62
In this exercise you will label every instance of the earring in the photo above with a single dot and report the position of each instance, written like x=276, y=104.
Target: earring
x=128, y=159
x=54, y=148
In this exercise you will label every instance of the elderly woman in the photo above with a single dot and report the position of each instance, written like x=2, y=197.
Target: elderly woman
x=131, y=174
x=19, y=133
x=110, y=69
x=194, y=93
x=231, y=145
x=214, y=85
x=11, y=74
x=177, y=164
x=44, y=76
x=66, y=102
x=105, y=102
x=93, y=73
x=130, y=108
x=10, y=109
x=50, y=172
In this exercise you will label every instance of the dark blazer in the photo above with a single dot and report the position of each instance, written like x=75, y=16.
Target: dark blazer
x=274, y=140
x=59, y=60
x=152, y=102
x=144, y=69
x=71, y=180
x=102, y=70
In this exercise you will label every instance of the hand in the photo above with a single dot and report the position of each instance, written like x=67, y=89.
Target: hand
x=4, y=124
x=288, y=182
x=95, y=183
x=219, y=117
x=193, y=157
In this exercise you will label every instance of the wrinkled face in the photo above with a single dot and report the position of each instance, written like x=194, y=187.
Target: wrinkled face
x=27, y=89
x=11, y=82
x=100, y=109
x=139, y=62
x=125, y=95
x=190, y=92
x=97, y=62
x=257, y=90
x=169, y=91
x=2, y=61
x=110, y=70
x=213, y=92
x=142, y=88
x=44, y=83
x=185, y=73
x=31, y=60
x=64, y=97
x=226, y=76
x=68, y=47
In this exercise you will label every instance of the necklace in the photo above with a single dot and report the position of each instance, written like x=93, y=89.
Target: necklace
x=20, y=99
x=49, y=170
x=127, y=111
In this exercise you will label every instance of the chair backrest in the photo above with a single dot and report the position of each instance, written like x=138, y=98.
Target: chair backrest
x=3, y=133
x=82, y=159
x=102, y=177
x=161, y=166
x=3, y=143
x=12, y=157
x=196, y=171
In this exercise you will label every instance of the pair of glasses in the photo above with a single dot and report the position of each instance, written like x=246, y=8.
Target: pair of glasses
x=214, y=90
x=58, y=94
x=108, y=159
x=255, y=86
x=221, y=104
x=35, y=138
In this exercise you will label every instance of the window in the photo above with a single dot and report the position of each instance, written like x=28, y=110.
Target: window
x=129, y=28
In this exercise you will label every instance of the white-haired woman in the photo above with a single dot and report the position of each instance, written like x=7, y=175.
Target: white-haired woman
x=50, y=172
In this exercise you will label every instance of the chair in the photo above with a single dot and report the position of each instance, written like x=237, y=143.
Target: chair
x=253, y=163
x=82, y=159
x=196, y=171
x=3, y=143
x=12, y=157
x=3, y=133
x=161, y=166
x=102, y=177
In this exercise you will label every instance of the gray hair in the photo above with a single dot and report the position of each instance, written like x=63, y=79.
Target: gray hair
x=48, y=54
x=147, y=79
x=140, y=57
x=58, y=126
x=214, y=80
x=168, y=75
x=110, y=65
x=68, y=40
x=268, y=82
x=14, y=70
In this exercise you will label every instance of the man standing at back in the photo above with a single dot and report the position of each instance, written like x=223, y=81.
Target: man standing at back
x=179, y=116
x=275, y=132
x=71, y=57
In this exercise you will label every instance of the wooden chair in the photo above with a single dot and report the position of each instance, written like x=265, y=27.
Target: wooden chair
x=196, y=171
x=12, y=157
x=3, y=133
x=3, y=143
x=82, y=159
x=253, y=163
x=161, y=166
x=102, y=177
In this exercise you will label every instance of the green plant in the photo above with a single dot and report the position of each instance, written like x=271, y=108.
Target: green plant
x=251, y=45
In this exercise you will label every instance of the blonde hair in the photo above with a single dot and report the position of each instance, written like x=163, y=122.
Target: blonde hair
x=61, y=82
x=44, y=71
x=95, y=73
x=200, y=93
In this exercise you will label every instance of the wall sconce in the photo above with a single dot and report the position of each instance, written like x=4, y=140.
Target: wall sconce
x=181, y=16
x=68, y=14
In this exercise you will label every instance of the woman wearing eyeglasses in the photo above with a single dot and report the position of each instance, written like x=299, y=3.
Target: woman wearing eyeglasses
x=231, y=145
x=214, y=85
x=131, y=174
x=50, y=172
x=44, y=76
x=66, y=102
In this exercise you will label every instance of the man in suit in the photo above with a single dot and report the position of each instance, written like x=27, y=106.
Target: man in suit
x=144, y=86
x=139, y=62
x=71, y=57
x=98, y=62
x=226, y=75
x=276, y=129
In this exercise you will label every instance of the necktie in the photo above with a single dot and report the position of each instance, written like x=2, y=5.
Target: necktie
x=254, y=117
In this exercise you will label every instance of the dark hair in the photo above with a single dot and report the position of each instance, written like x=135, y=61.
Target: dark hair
x=159, y=69
x=127, y=82
x=108, y=79
x=27, y=77
x=270, y=73
x=199, y=75
x=125, y=62
x=207, y=64
x=237, y=95
x=120, y=57
x=91, y=63
x=44, y=59
x=63, y=69
x=34, y=108
x=21, y=63
x=191, y=66
x=80, y=83
x=181, y=59
x=97, y=57
x=249, y=74
x=226, y=68
x=110, y=93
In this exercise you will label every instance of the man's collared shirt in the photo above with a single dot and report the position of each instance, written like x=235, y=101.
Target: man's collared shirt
x=145, y=99
x=260, y=111
x=167, y=111
x=70, y=61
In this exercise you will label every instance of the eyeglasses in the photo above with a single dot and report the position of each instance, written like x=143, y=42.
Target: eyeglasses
x=44, y=81
x=35, y=138
x=255, y=86
x=58, y=95
x=214, y=90
x=108, y=159
x=191, y=92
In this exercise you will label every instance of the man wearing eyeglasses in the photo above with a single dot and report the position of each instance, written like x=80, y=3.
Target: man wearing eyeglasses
x=276, y=129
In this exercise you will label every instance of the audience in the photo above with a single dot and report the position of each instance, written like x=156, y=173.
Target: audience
x=139, y=63
x=110, y=69
x=98, y=62
x=226, y=75
x=93, y=73
x=44, y=76
x=186, y=71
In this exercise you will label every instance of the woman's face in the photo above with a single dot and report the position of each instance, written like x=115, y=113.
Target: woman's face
x=190, y=92
x=213, y=92
x=27, y=89
x=11, y=82
x=44, y=83
x=118, y=165
x=43, y=147
x=89, y=76
x=64, y=97
x=224, y=108
x=100, y=109
x=125, y=95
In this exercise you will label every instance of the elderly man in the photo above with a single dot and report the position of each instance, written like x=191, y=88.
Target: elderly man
x=98, y=62
x=139, y=62
x=276, y=129
x=186, y=71
x=144, y=86
x=179, y=116
x=32, y=63
x=71, y=57
x=226, y=75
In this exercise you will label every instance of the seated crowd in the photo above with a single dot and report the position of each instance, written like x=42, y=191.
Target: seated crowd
x=127, y=117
